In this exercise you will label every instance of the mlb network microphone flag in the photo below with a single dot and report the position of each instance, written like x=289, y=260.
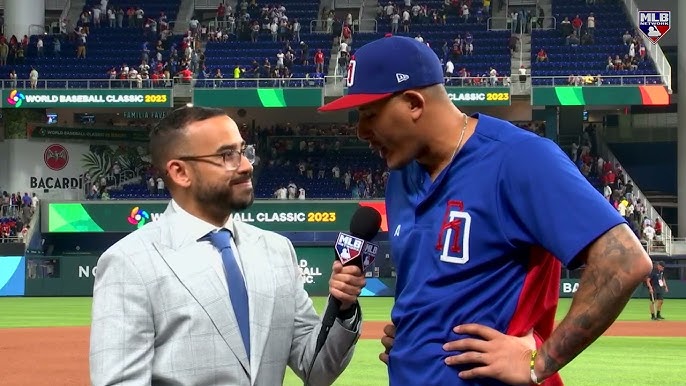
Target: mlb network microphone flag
x=349, y=248
x=654, y=24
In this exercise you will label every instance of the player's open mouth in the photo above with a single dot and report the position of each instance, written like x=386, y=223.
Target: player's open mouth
x=379, y=149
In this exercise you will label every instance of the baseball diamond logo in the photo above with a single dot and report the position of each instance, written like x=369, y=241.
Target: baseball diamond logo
x=16, y=98
x=654, y=24
x=453, y=236
x=56, y=157
x=138, y=217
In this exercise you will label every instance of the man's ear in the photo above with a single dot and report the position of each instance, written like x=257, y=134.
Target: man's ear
x=415, y=102
x=179, y=173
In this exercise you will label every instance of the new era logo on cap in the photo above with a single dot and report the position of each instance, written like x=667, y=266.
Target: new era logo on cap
x=402, y=77
x=387, y=66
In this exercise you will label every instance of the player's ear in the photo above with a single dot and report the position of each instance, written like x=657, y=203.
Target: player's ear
x=415, y=102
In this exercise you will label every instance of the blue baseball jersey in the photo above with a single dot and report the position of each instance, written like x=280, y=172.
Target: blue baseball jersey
x=478, y=245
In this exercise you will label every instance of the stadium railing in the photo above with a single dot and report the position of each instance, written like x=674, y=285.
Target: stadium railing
x=313, y=82
x=207, y=4
x=609, y=80
x=654, y=50
x=549, y=22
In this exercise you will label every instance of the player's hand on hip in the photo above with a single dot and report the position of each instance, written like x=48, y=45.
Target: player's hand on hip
x=387, y=341
x=346, y=283
x=495, y=355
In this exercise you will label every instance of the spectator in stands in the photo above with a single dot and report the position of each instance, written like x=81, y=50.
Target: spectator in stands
x=33, y=77
x=406, y=20
x=577, y=23
x=39, y=47
x=566, y=27
x=281, y=193
x=395, y=20
x=573, y=39
x=590, y=24
x=513, y=42
x=627, y=38
x=542, y=56
x=4, y=52
x=658, y=227
x=493, y=76
x=319, y=61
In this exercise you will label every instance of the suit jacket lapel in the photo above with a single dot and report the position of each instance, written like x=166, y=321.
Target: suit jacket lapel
x=195, y=272
x=252, y=249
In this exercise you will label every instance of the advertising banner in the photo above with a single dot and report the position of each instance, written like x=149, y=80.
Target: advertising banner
x=258, y=97
x=12, y=275
x=76, y=275
x=114, y=98
x=52, y=170
x=273, y=215
x=479, y=96
x=651, y=95
x=677, y=290
x=88, y=134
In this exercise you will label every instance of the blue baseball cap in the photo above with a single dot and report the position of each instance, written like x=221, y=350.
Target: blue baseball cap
x=386, y=66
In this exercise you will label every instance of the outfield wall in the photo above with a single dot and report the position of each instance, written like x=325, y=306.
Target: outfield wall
x=74, y=275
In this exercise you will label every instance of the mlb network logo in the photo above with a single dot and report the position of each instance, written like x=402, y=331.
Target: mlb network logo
x=654, y=24
x=348, y=247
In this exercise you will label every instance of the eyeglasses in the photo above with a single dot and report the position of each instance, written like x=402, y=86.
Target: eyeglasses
x=231, y=157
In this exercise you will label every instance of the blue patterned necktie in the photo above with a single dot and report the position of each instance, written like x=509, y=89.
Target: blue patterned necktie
x=237, y=291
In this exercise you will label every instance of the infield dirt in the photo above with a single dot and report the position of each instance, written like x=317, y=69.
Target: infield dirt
x=58, y=356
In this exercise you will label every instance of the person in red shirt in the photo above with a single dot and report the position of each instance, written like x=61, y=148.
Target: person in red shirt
x=658, y=227
x=542, y=56
x=186, y=75
x=319, y=61
x=577, y=23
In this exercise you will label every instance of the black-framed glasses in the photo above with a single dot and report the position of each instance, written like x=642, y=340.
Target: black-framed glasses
x=230, y=157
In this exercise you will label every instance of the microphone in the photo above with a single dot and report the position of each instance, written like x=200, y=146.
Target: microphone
x=351, y=249
x=355, y=249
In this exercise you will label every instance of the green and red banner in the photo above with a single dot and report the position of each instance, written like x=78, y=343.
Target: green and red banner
x=650, y=95
x=273, y=215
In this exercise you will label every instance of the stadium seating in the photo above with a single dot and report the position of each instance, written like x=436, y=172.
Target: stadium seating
x=611, y=23
x=490, y=47
x=354, y=160
x=227, y=55
x=106, y=48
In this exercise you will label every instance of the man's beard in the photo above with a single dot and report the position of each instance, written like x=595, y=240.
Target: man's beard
x=222, y=198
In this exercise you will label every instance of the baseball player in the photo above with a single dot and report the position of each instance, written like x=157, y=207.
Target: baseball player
x=481, y=216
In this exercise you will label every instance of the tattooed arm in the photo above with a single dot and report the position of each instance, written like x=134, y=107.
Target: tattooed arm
x=616, y=264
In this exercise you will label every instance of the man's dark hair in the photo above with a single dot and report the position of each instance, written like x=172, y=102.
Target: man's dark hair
x=166, y=136
x=661, y=263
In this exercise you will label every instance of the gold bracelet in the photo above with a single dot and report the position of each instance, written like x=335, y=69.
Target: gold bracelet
x=534, y=378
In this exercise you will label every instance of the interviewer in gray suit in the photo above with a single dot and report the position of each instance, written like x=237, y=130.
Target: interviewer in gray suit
x=169, y=300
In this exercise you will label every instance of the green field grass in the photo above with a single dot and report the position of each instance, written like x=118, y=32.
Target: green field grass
x=609, y=361
x=49, y=312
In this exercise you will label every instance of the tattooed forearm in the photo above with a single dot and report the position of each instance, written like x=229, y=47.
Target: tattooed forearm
x=615, y=265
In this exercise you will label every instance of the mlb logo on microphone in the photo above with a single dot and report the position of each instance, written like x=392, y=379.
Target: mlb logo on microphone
x=348, y=247
x=654, y=24
x=369, y=254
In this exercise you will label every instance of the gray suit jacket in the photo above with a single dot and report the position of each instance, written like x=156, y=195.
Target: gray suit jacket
x=162, y=314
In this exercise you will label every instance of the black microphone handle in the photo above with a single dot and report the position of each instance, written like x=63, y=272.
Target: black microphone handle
x=332, y=309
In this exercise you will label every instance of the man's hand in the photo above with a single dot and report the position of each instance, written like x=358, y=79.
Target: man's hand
x=498, y=356
x=387, y=341
x=346, y=283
